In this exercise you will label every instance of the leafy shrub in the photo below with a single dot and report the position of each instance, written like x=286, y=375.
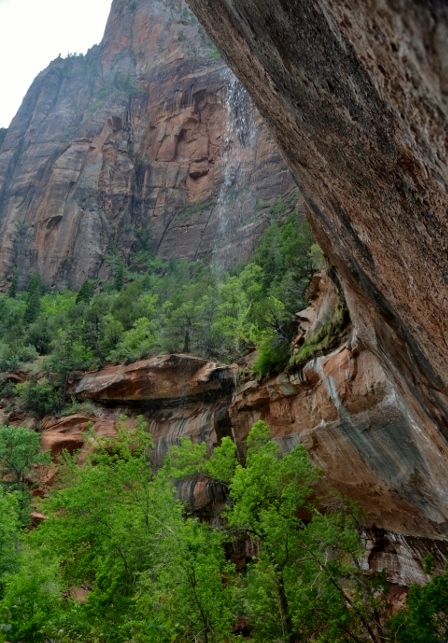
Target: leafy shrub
x=424, y=619
x=19, y=452
x=13, y=356
x=273, y=354
x=39, y=396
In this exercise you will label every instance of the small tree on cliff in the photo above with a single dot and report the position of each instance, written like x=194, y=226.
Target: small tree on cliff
x=19, y=453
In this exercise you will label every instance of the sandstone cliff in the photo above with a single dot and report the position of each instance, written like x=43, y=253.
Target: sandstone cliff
x=147, y=142
x=356, y=94
x=159, y=141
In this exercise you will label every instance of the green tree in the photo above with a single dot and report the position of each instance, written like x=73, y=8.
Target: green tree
x=112, y=335
x=136, y=343
x=19, y=453
x=33, y=294
x=13, y=288
x=10, y=525
x=305, y=582
x=124, y=308
x=119, y=276
x=101, y=529
x=179, y=326
x=424, y=619
x=190, y=568
x=117, y=527
x=33, y=599
x=266, y=494
x=40, y=397
x=85, y=292
x=39, y=335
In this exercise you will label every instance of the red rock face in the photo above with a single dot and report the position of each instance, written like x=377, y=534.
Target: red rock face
x=159, y=379
x=356, y=94
x=146, y=142
x=345, y=411
x=352, y=419
x=179, y=396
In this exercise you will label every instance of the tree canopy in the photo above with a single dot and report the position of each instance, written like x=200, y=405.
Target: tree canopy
x=273, y=564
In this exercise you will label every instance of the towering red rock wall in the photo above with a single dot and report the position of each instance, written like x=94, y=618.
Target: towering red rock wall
x=147, y=141
x=357, y=95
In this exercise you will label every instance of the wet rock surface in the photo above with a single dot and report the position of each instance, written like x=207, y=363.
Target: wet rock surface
x=356, y=94
x=346, y=412
x=403, y=556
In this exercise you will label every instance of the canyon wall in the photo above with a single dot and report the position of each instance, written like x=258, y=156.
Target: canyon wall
x=146, y=143
x=356, y=94
x=149, y=143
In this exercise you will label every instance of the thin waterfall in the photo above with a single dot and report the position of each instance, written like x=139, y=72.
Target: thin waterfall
x=239, y=134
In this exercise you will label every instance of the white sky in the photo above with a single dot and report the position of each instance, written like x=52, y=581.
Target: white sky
x=33, y=32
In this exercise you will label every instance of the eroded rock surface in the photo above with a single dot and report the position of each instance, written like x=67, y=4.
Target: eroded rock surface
x=178, y=396
x=146, y=143
x=356, y=94
x=163, y=378
x=403, y=556
x=346, y=412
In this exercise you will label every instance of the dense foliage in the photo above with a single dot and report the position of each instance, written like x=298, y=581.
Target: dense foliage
x=156, y=307
x=121, y=559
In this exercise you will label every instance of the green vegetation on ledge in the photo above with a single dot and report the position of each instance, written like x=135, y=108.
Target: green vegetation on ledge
x=324, y=339
x=163, y=307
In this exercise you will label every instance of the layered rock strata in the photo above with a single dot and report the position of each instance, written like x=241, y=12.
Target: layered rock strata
x=146, y=143
x=341, y=407
x=357, y=96
x=179, y=396
x=159, y=379
x=346, y=412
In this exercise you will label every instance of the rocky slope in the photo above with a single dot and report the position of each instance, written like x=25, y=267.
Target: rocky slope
x=146, y=143
x=356, y=94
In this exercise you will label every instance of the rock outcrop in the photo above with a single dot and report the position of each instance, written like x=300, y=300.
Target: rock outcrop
x=345, y=411
x=179, y=396
x=146, y=143
x=157, y=380
x=357, y=96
